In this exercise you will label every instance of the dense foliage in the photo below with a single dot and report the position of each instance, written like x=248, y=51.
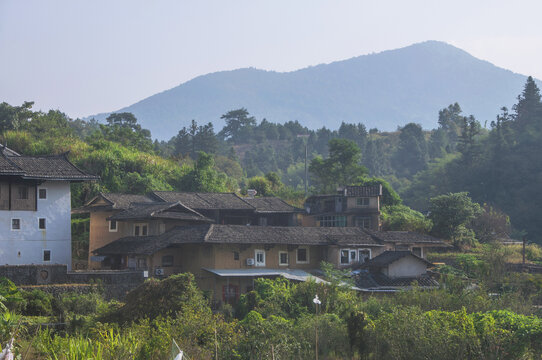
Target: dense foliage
x=279, y=320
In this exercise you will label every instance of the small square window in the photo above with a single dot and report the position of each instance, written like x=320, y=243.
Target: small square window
x=283, y=258
x=46, y=255
x=42, y=194
x=15, y=224
x=112, y=225
x=42, y=223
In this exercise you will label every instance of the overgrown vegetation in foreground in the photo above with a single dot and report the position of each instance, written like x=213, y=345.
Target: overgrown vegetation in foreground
x=278, y=319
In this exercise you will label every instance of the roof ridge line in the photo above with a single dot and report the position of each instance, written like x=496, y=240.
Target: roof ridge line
x=209, y=233
x=11, y=162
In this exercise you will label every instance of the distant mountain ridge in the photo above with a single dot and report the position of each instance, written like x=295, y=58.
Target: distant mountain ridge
x=382, y=90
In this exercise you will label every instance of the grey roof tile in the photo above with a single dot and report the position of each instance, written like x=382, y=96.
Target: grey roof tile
x=48, y=167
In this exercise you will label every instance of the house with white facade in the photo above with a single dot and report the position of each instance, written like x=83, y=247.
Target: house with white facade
x=35, y=208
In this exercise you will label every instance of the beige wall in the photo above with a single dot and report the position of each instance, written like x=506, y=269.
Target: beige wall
x=408, y=266
x=99, y=234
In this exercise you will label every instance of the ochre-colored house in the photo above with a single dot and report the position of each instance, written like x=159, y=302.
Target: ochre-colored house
x=114, y=216
x=227, y=258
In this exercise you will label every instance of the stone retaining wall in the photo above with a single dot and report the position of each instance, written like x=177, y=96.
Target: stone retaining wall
x=56, y=279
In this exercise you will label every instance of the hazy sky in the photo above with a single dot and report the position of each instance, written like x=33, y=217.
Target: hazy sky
x=86, y=57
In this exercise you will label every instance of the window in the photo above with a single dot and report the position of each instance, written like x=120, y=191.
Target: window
x=236, y=255
x=112, y=225
x=167, y=260
x=260, y=257
x=344, y=257
x=140, y=230
x=141, y=263
x=364, y=255
x=363, y=222
x=42, y=194
x=363, y=201
x=15, y=224
x=332, y=221
x=417, y=251
x=41, y=223
x=353, y=256
x=302, y=256
x=46, y=255
x=23, y=193
x=283, y=258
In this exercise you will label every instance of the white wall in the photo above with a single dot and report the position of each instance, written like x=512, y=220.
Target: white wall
x=409, y=266
x=26, y=245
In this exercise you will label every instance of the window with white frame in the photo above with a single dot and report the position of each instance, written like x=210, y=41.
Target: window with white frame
x=345, y=256
x=283, y=258
x=259, y=256
x=15, y=224
x=353, y=256
x=141, y=229
x=42, y=194
x=364, y=255
x=42, y=223
x=302, y=255
x=112, y=225
x=46, y=255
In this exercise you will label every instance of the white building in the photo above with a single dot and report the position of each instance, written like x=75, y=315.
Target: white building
x=35, y=208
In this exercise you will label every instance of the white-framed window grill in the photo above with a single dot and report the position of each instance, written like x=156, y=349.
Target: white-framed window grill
x=302, y=255
x=259, y=257
x=113, y=226
x=283, y=258
x=141, y=229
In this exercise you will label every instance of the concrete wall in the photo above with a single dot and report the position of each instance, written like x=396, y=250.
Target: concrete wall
x=408, y=266
x=26, y=246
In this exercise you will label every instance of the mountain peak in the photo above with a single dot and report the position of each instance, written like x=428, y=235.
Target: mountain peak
x=382, y=90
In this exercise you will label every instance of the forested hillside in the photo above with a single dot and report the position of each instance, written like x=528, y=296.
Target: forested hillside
x=498, y=164
x=383, y=90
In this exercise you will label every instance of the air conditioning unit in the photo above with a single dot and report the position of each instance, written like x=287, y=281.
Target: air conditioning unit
x=250, y=261
x=158, y=271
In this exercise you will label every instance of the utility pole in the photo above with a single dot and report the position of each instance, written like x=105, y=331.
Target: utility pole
x=306, y=176
x=306, y=141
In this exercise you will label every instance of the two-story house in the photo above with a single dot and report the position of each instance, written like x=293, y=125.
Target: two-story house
x=357, y=206
x=35, y=208
x=113, y=216
x=227, y=258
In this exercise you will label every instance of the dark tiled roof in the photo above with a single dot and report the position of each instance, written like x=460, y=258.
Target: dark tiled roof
x=53, y=167
x=388, y=257
x=377, y=280
x=205, y=201
x=174, y=211
x=241, y=234
x=375, y=190
x=406, y=237
x=271, y=204
x=124, y=201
